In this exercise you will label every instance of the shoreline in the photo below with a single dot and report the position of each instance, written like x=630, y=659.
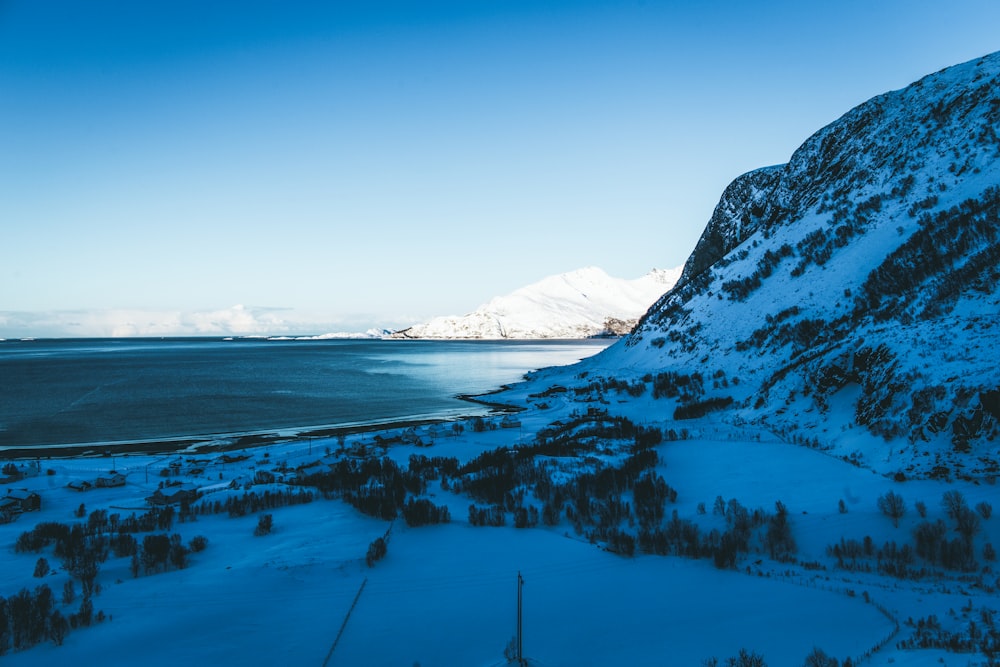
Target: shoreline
x=227, y=442
x=201, y=444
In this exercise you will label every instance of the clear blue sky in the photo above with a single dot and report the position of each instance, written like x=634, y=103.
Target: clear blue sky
x=340, y=165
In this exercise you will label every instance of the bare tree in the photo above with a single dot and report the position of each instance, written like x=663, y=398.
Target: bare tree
x=746, y=659
x=892, y=506
x=819, y=658
x=953, y=502
x=69, y=592
x=967, y=524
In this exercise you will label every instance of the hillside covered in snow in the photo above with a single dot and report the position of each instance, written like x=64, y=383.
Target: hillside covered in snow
x=580, y=304
x=849, y=299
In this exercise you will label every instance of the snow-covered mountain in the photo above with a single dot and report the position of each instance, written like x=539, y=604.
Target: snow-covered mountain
x=579, y=304
x=849, y=299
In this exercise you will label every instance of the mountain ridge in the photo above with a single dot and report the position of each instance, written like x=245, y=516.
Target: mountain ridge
x=584, y=303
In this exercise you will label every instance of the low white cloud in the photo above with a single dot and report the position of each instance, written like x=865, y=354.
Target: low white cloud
x=236, y=320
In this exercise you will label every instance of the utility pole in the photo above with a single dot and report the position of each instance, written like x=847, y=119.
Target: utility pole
x=520, y=652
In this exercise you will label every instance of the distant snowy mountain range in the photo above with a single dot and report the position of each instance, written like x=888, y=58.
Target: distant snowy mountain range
x=580, y=304
x=849, y=299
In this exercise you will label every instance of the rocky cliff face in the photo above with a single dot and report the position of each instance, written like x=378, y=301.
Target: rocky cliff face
x=737, y=215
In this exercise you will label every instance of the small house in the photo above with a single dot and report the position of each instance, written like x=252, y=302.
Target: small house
x=28, y=501
x=9, y=510
x=413, y=437
x=172, y=495
x=110, y=480
x=314, y=468
x=78, y=485
x=509, y=421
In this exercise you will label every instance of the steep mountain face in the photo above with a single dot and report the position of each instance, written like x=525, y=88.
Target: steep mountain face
x=735, y=218
x=849, y=298
x=580, y=304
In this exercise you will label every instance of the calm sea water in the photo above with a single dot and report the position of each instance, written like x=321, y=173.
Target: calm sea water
x=111, y=390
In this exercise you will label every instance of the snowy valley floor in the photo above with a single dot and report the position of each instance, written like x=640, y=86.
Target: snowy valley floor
x=446, y=594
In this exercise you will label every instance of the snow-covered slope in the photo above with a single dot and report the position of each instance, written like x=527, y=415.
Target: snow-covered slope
x=579, y=304
x=849, y=298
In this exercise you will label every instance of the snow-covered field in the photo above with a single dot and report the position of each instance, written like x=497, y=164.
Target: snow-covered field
x=446, y=594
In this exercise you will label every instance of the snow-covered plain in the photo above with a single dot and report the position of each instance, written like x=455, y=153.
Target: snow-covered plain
x=445, y=595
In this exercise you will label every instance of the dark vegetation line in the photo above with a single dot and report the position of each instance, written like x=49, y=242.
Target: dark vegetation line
x=343, y=625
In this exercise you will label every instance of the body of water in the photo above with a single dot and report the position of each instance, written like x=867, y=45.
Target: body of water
x=112, y=390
